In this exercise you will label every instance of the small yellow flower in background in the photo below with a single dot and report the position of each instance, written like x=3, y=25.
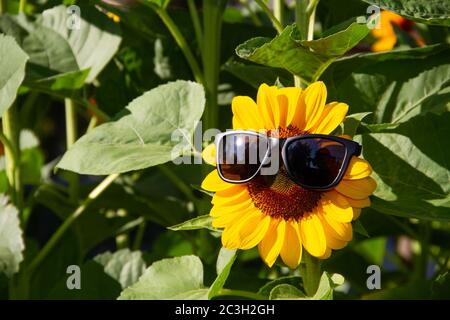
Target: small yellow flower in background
x=113, y=16
x=282, y=218
x=385, y=35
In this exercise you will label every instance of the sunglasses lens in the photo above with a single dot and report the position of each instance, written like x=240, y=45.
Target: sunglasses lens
x=240, y=156
x=315, y=162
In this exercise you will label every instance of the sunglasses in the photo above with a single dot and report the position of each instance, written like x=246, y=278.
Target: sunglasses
x=313, y=161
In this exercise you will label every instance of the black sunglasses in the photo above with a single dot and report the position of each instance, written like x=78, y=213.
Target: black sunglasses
x=313, y=161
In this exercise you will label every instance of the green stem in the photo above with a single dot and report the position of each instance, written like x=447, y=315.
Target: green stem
x=241, y=293
x=196, y=21
x=179, y=183
x=48, y=247
x=3, y=6
x=305, y=15
x=212, y=24
x=11, y=131
x=422, y=262
x=139, y=235
x=179, y=39
x=71, y=137
x=276, y=24
x=311, y=272
x=22, y=5
x=253, y=16
x=278, y=10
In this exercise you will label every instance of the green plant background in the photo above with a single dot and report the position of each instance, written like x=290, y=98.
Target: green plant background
x=88, y=117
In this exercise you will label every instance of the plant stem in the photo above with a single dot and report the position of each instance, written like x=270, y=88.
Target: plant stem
x=71, y=137
x=311, y=272
x=276, y=24
x=305, y=15
x=22, y=5
x=253, y=16
x=48, y=247
x=241, y=293
x=278, y=10
x=179, y=39
x=422, y=261
x=179, y=183
x=212, y=25
x=196, y=21
x=11, y=133
x=139, y=235
x=3, y=6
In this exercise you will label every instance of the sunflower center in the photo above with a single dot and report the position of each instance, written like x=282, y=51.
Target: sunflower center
x=279, y=197
x=287, y=132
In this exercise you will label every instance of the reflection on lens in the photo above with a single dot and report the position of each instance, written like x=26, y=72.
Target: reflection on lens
x=240, y=155
x=315, y=162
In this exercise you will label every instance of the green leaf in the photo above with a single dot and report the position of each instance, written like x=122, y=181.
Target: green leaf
x=143, y=137
x=175, y=279
x=93, y=44
x=61, y=85
x=95, y=284
x=285, y=292
x=352, y=123
x=201, y=222
x=225, y=261
x=436, y=12
x=306, y=59
x=359, y=228
x=49, y=53
x=255, y=75
x=412, y=167
x=12, y=71
x=268, y=287
x=373, y=250
x=124, y=266
x=11, y=241
x=395, y=86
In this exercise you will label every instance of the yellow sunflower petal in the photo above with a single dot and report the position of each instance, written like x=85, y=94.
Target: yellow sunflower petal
x=230, y=235
x=357, y=189
x=326, y=255
x=315, y=97
x=246, y=112
x=270, y=246
x=312, y=234
x=292, y=95
x=214, y=183
x=356, y=213
x=339, y=230
x=332, y=242
x=254, y=230
x=264, y=100
x=360, y=203
x=231, y=196
x=291, y=252
x=333, y=115
x=209, y=154
x=336, y=206
x=218, y=210
x=357, y=169
x=225, y=219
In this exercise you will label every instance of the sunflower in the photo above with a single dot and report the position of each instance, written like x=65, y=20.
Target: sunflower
x=279, y=216
x=386, y=36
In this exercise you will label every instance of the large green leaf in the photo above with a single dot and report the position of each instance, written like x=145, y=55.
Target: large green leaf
x=143, y=137
x=176, y=279
x=395, y=86
x=93, y=44
x=426, y=11
x=124, y=265
x=412, y=167
x=225, y=261
x=11, y=242
x=12, y=71
x=306, y=59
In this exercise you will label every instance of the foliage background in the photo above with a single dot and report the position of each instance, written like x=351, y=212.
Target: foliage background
x=61, y=84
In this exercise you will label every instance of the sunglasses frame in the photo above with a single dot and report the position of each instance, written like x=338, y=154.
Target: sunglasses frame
x=352, y=148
